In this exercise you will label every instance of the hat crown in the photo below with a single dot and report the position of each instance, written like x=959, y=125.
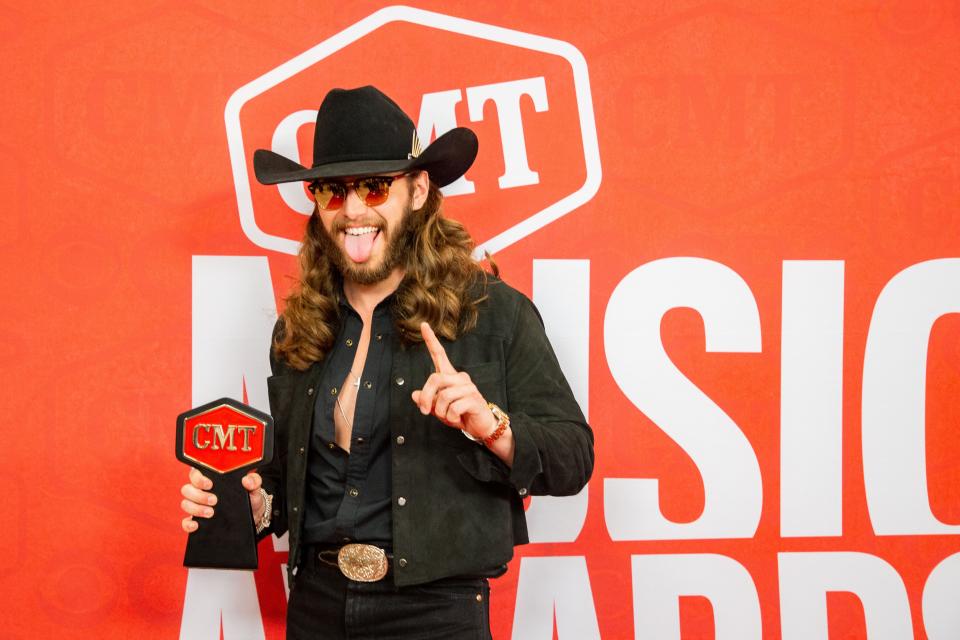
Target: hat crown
x=362, y=132
x=361, y=124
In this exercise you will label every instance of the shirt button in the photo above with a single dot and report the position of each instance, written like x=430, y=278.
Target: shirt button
x=402, y=562
x=346, y=541
x=401, y=501
x=354, y=493
x=333, y=391
x=401, y=439
x=310, y=391
x=399, y=382
x=379, y=337
x=295, y=509
x=331, y=445
x=359, y=438
x=349, y=342
x=301, y=450
x=522, y=491
x=479, y=597
x=368, y=385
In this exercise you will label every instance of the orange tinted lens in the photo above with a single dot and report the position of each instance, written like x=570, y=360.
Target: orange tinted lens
x=329, y=195
x=373, y=191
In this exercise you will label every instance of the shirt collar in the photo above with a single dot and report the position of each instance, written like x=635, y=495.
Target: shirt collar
x=383, y=308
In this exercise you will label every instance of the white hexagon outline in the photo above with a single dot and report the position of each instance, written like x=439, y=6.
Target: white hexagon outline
x=434, y=20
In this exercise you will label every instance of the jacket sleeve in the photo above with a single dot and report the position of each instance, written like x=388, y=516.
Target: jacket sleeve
x=274, y=473
x=553, y=452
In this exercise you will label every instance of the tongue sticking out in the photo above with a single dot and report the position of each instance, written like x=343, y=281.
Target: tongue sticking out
x=359, y=247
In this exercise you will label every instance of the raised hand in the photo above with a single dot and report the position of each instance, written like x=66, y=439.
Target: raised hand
x=450, y=395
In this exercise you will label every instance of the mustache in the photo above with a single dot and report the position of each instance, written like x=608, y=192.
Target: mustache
x=341, y=224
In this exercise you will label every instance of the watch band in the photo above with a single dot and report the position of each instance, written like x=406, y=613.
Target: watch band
x=267, y=506
x=503, y=421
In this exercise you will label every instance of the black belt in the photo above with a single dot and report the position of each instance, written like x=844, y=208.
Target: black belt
x=329, y=556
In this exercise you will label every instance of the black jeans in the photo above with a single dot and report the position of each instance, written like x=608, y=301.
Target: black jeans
x=325, y=605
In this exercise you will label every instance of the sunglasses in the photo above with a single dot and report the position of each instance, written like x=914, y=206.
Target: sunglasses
x=331, y=194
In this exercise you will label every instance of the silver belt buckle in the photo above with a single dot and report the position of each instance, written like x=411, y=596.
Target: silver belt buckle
x=362, y=562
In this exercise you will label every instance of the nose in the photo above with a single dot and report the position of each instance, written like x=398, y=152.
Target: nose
x=354, y=206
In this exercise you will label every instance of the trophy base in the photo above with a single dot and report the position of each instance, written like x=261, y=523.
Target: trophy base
x=228, y=540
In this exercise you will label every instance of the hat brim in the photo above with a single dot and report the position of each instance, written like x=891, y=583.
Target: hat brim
x=448, y=158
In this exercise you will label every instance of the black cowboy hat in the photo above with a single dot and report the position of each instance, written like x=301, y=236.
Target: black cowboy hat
x=361, y=132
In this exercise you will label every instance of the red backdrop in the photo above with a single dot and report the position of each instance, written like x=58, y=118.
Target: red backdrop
x=696, y=156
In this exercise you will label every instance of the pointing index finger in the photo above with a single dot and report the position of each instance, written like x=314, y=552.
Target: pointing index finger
x=437, y=353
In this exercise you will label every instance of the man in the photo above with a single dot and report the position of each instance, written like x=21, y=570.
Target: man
x=415, y=396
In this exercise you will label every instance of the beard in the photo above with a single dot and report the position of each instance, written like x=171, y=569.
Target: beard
x=400, y=241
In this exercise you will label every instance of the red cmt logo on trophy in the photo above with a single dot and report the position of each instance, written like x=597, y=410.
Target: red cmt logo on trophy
x=223, y=438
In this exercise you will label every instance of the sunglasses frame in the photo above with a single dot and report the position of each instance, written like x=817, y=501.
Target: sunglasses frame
x=346, y=186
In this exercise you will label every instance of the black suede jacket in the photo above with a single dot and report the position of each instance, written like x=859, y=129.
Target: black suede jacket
x=463, y=509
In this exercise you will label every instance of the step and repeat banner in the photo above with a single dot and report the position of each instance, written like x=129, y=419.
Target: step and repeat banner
x=738, y=220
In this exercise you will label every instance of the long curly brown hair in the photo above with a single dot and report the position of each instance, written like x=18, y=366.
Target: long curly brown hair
x=442, y=285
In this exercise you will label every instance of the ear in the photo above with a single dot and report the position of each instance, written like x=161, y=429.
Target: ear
x=420, y=188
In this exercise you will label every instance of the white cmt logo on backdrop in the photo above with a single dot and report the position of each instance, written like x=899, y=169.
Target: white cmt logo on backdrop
x=227, y=359
x=436, y=116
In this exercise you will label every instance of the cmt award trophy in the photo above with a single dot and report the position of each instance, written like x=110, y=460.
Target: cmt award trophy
x=224, y=439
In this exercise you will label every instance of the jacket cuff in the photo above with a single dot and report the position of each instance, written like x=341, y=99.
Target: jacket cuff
x=527, y=464
x=486, y=467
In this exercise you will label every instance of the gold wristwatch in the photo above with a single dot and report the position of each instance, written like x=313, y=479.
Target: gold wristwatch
x=503, y=421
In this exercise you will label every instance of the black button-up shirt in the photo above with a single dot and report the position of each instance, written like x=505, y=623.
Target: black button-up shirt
x=349, y=494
